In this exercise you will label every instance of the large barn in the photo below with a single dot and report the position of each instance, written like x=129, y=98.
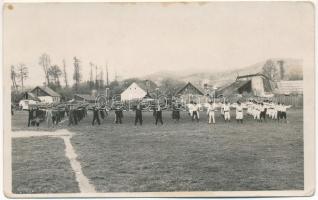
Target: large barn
x=255, y=84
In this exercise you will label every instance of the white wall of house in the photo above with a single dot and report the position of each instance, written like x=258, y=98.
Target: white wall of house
x=49, y=99
x=133, y=92
x=24, y=103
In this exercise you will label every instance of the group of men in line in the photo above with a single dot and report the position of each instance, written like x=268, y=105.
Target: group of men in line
x=259, y=110
x=54, y=115
x=50, y=115
x=118, y=109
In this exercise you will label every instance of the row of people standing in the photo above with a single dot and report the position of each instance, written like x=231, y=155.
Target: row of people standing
x=259, y=110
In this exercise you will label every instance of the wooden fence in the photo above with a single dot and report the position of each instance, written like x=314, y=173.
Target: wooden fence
x=295, y=100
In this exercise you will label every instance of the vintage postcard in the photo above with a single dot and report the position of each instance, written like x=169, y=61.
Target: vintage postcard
x=141, y=99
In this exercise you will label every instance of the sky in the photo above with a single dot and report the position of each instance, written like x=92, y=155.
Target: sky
x=144, y=38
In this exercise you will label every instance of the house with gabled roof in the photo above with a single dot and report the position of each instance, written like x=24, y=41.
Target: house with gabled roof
x=46, y=94
x=190, y=92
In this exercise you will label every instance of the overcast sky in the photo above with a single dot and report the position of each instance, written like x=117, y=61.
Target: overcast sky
x=140, y=39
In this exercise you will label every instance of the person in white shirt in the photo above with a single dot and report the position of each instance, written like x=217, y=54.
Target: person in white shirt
x=279, y=113
x=226, y=110
x=195, y=112
x=283, y=110
x=210, y=112
x=239, y=112
x=190, y=108
x=275, y=111
x=258, y=111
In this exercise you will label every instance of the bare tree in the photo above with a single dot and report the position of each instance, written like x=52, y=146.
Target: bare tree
x=77, y=73
x=65, y=74
x=55, y=72
x=22, y=74
x=45, y=62
x=13, y=78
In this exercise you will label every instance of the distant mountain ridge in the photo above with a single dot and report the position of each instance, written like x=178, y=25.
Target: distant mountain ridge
x=292, y=70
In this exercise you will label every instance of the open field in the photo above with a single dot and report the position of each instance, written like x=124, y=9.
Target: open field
x=39, y=166
x=184, y=156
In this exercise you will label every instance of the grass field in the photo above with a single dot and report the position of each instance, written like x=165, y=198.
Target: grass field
x=39, y=166
x=187, y=156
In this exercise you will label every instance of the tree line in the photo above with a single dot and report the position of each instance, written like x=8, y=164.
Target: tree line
x=56, y=77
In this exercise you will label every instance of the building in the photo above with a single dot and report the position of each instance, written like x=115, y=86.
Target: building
x=84, y=98
x=254, y=84
x=190, y=92
x=46, y=94
x=132, y=92
x=27, y=99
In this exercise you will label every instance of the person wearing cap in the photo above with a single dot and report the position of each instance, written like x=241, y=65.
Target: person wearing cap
x=210, y=112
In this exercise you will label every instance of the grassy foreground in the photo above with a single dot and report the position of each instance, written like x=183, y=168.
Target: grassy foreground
x=191, y=156
x=39, y=165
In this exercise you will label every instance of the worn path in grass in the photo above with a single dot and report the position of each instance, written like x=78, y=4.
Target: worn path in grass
x=83, y=182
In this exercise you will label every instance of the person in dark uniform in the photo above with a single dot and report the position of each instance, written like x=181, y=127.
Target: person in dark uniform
x=30, y=118
x=37, y=116
x=138, y=116
x=159, y=114
x=95, y=116
x=176, y=112
x=70, y=112
x=119, y=114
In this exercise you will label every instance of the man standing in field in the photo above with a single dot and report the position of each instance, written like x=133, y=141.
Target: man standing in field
x=176, y=112
x=138, y=116
x=118, y=114
x=49, y=118
x=210, y=112
x=239, y=112
x=195, y=112
x=226, y=110
x=263, y=110
x=95, y=116
x=283, y=110
x=158, y=114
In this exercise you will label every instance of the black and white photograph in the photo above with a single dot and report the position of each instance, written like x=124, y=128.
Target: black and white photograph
x=141, y=99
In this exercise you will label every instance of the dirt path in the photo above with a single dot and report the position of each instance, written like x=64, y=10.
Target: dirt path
x=83, y=182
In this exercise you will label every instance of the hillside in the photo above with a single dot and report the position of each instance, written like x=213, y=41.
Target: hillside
x=292, y=71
